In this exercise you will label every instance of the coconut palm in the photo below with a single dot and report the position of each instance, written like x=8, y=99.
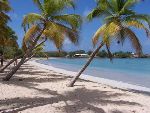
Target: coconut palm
x=27, y=41
x=4, y=29
x=4, y=8
x=38, y=51
x=8, y=41
x=119, y=18
x=51, y=23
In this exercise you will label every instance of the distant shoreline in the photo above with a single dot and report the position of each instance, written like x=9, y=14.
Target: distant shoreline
x=95, y=57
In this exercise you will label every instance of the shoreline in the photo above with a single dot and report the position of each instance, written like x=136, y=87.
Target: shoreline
x=109, y=82
x=38, y=88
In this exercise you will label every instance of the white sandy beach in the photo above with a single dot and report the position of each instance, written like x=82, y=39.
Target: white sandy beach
x=37, y=88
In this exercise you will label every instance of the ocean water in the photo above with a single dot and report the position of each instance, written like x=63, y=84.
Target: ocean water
x=133, y=71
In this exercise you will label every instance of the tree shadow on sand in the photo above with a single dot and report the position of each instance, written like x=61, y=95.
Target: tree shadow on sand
x=116, y=111
x=81, y=98
x=32, y=82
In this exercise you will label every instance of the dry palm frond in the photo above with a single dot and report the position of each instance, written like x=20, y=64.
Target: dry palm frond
x=98, y=33
x=56, y=37
x=71, y=34
x=107, y=30
x=30, y=36
x=31, y=33
x=134, y=40
x=137, y=24
x=31, y=19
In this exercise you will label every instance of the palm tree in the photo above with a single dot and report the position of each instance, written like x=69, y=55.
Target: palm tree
x=119, y=19
x=38, y=51
x=4, y=8
x=50, y=24
x=8, y=41
x=25, y=46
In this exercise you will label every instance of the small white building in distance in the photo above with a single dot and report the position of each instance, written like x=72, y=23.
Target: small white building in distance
x=81, y=55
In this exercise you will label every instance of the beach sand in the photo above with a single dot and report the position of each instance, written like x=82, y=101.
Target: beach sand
x=35, y=89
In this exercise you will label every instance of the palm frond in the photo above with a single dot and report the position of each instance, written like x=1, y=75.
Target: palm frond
x=4, y=6
x=31, y=18
x=40, y=48
x=138, y=24
x=71, y=34
x=54, y=7
x=103, y=4
x=56, y=37
x=71, y=19
x=12, y=43
x=98, y=33
x=31, y=34
x=97, y=12
x=134, y=40
x=140, y=17
x=9, y=42
x=4, y=9
x=120, y=36
x=127, y=12
x=129, y=3
x=107, y=30
x=4, y=18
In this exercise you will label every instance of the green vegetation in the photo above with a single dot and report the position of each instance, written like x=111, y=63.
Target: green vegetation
x=121, y=54
x=119, y=18
x=53, y=24
x=8, y=38
x=4, y=9
x=50, y=24
x=8, y=45
x=102, y=54
x=52, y=54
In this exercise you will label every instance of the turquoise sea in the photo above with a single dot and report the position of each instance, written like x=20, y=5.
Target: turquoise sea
x=133, y=71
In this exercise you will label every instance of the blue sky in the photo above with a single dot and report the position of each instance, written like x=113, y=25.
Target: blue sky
x=83, y=7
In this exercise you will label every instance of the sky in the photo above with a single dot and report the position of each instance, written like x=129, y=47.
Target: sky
x=83, y=7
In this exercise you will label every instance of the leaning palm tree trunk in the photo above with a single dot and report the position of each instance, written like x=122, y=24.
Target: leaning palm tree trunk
x=32, y=55
x=14, y=70
x=27, y=54
x=29, y=58
x=71, y=84
x=9, y=63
